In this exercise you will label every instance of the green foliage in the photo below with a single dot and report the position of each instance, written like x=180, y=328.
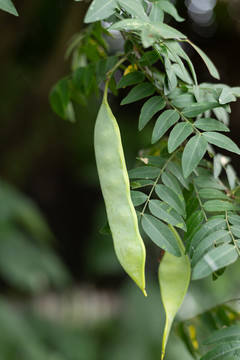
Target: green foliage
x=27, y=261
x=28, y=266
x=7, y=5
x=180, y=191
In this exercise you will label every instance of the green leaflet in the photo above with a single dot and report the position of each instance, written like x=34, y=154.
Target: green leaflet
x=170, y=181
x=8, y=6
x=210, y=227
x=163, y=123
x=130, y=24
x=176, y=170
x=170, y=9
x=154, y=160
x=183, y=101
x=221, y=141
x=133, y=78
x=60, y=100
x=231, y=176
x=191, y=206
x=217, y=166
x=219, y=206
x=147, y=38
x=170, y=197
x=208, y=243
x=176, y=48
x=219, y=336
x=209, y=181
x=209, y=193
x=139, y=92
x=193, y=153
x=157, y=30
x=182, y=73
x=215, y=259
x=194, y=221
x=140, y=183
x=149, y=109
x=134, y=7
x=156, y=13
x=211, y=67
x=178, y=134
x=166, y=213
x=236, y=230
x=170, y=81
x=138, y=197
x=148, y=58
x=225, y=351
x=160, y=234
x=208, y=124
x=144, y=172
x=174, y=276
x=99, y=10
x=178, y=66
x=161, y=30
x=199, y=108
x=234, y=219
x=226, y=96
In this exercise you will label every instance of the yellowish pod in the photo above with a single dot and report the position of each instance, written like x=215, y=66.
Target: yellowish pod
x=174, y=276
x=114, y=181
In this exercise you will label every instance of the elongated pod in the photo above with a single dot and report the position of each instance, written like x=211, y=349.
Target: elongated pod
x=174, y=276
x=114, y=181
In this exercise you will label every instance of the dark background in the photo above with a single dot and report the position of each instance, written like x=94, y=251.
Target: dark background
x=51, y=160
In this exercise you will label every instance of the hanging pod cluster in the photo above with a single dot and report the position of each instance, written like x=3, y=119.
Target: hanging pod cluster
x=174, y=272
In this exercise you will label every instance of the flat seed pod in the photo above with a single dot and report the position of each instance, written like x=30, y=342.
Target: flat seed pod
x=174, y=276
x=114, y=181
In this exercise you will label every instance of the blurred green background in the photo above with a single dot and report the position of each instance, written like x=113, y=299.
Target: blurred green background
x=63, y=293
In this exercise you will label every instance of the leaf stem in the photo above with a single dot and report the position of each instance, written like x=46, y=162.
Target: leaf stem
x=200, y=202
x=111, y=71
x=156, y=181
x=231, y=234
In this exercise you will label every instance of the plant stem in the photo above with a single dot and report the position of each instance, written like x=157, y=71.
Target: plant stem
x=156, y=181
x=231, y=234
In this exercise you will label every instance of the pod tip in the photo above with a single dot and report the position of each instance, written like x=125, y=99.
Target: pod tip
x=144, y=292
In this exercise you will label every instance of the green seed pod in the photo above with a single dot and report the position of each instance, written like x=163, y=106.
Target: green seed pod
x=174, y=276
x=114, y=181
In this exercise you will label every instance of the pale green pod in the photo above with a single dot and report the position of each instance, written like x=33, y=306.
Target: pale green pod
x=174, y=276
x=114, y=181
